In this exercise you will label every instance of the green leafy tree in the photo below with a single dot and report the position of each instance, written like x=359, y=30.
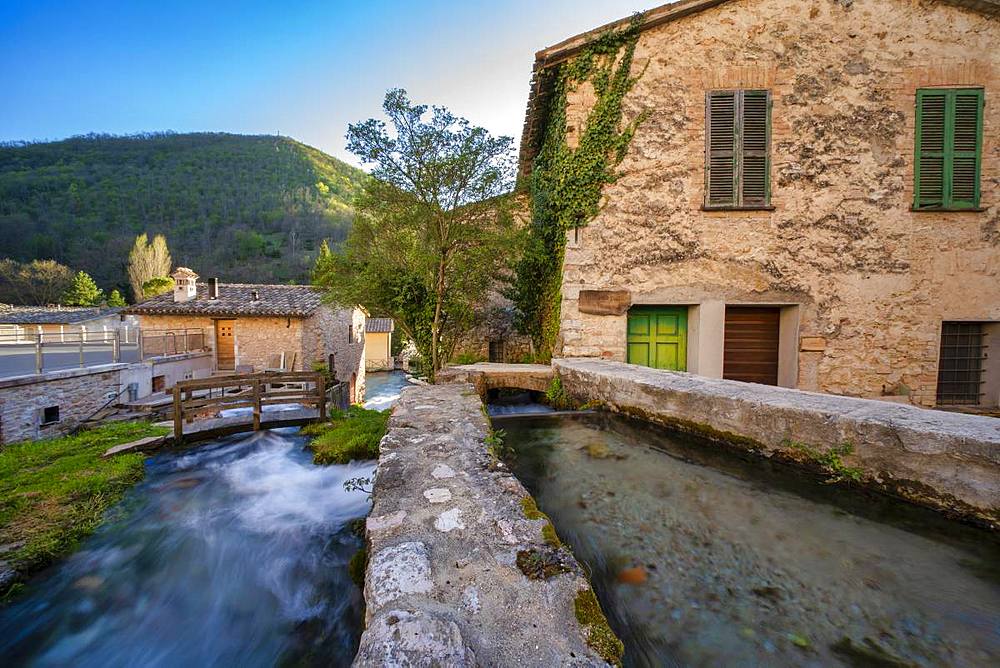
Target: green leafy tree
x=146, y=261
x=115, y=299
x=157, y=286
x=432, y=230
x=33, y=283
x=83, y=291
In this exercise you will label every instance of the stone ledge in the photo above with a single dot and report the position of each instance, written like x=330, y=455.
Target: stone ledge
x=948, y=461
x=63, y=374
x=443, y=585
x=490, y=375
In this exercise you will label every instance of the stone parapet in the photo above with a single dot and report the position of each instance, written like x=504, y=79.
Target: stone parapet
x=948, y=461
x=458, y=575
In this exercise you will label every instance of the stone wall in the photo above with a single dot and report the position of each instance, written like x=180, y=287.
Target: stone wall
x=77, y=392
x=452, y=576
x=871, y=279
x=948, y=461
x=340, y=332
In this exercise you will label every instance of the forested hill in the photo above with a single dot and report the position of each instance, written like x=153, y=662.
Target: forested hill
x=244, y=208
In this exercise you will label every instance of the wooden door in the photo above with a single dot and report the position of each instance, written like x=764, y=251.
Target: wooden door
x=225, y=345
x=751, y=344
x=657, y=337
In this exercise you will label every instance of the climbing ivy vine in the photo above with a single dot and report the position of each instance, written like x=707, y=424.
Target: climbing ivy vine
x=566, y=182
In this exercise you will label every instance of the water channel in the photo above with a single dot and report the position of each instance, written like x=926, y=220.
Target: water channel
x=231, y=552
x=702, y=557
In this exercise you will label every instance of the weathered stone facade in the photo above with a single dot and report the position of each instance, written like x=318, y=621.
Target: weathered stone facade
x=259, y=339
x=864, y=282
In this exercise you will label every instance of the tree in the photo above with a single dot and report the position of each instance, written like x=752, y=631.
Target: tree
x=147, y=261
x=83, y=291
x=115, y=299
x=432, y=228
x=33, y=283
x=157, y=286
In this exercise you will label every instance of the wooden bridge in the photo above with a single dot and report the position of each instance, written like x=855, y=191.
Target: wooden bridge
x=295, y=398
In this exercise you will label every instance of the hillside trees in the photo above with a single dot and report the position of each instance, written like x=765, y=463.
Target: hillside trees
x=430, y=237
x=38, y=282
x=146, y=261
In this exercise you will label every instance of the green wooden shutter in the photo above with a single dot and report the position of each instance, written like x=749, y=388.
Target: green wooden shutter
x=756, y=145
x=738, y=149
x=949, y=138
x=721, y=149
x=966, y=148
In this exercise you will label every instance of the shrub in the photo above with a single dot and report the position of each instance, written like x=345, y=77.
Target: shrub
x=349, y=435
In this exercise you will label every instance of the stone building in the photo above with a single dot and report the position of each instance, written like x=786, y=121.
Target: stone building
x=253, y=327
x=378, y=344
x=811, y=200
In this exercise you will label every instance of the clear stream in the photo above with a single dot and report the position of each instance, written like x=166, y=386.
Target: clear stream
x=703, y=558
x=230, y=553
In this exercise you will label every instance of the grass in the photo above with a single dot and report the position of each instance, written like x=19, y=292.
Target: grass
x=54, y=492
x=349, y=435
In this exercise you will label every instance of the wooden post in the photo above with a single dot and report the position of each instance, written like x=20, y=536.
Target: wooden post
x=187, y=397
x=321, y=386
x=178, y=415
x=256, y=405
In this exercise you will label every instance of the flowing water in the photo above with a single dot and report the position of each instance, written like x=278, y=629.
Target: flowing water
x=702, y=557
x=233, y=552
x=382, y=388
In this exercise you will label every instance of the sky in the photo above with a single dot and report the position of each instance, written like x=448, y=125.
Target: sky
x=303, y=69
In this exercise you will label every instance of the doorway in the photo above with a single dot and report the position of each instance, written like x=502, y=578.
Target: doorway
x=657, y=337
x=750, y=351
x=225, y=345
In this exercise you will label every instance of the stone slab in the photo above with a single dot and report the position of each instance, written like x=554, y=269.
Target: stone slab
x=605, y=302
x=486, y=376
x=442, y=586
x=148, y=443
x=948, y=461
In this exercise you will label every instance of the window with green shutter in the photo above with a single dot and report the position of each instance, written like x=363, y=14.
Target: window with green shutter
x=738, y=149
x=949, y=144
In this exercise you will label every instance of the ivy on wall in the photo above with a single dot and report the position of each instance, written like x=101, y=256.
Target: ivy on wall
x=566, y=182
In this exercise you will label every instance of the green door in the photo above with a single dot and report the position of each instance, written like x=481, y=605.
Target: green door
x=657, y=337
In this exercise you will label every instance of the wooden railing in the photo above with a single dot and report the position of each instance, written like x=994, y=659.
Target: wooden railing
x=208, y=396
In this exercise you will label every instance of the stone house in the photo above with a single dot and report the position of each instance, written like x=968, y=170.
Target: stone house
x=811, y=199
x=254, y=327
x=378, y=344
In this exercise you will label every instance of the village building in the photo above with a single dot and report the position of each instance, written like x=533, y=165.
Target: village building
x=378, y=344
x=59, y=323
x=811, y=198
x=255, y=328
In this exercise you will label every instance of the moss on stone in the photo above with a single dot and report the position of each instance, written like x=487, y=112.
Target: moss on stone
x=542, y=564
x=531, y=511
x=357, y=566
x=600, y=637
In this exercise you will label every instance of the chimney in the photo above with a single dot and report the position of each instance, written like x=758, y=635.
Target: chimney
x=213, y=288
x=254, y=296
x=185, y=284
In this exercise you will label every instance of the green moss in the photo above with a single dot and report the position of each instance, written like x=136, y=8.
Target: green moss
x=531, y=511
x=555, y=395
x=349, y=435
x=357, y=566
x=54, y=492
x=600, y=637
x=830, y=460
x=543, y=564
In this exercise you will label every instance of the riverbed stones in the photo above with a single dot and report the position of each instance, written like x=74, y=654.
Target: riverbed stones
x=442, y=585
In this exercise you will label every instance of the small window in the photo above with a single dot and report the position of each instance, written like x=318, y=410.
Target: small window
x=949, y=144
x=738, y=149
x=496, y=351
x=50, y=415
x=960, y=366
x=350, y=333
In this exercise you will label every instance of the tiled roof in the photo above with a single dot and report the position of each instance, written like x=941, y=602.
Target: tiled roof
x=52, y=315
x=542, y=79
x=379, y=325
x=236, y=299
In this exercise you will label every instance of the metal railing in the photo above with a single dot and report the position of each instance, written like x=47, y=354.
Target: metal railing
x=25, y=352
x=160, y=342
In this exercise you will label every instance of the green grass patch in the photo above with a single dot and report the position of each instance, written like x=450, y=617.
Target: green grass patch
x=54, y=492
x=349, y=435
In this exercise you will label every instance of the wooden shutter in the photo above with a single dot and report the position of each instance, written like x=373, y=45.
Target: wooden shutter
x=949, y=132
x=756, y=142
x=721, y=139
x=738, y=143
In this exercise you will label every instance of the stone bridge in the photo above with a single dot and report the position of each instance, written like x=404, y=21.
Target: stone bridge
x=487, y=376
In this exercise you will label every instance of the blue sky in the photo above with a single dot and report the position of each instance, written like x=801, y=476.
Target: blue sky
x=303, y=69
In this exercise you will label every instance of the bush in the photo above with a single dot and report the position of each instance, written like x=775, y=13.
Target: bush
x=349, y=435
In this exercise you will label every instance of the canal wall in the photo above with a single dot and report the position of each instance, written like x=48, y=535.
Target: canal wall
x=948, y=461
x=463, y=570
